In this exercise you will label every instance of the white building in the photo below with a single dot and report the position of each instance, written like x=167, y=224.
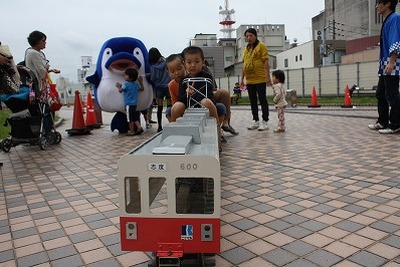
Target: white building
x=301, y=56
x=273, y=35
x=309, y=55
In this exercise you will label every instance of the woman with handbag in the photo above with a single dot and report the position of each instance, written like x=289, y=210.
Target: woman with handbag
x=36, y=60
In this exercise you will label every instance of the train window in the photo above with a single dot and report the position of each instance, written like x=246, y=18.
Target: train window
x=132, y=195
x=158, y=195
x=194, y=195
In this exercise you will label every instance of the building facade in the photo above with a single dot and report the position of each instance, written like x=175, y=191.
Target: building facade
x=213, y=53
x=347, y=20
x=309, y=55
x=273, y=35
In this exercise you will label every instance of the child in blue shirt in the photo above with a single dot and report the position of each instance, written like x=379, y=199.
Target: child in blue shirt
x=131, y=88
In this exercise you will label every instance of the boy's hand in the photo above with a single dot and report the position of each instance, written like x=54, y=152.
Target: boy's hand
x=140, y=81
x=190, y=89
x=118, y=85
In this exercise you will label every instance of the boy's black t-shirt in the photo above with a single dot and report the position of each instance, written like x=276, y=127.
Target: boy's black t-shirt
x=201, y=86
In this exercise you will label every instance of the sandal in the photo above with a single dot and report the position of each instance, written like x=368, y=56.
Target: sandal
x=138, y=132
x=230, y=129
x=223, y=140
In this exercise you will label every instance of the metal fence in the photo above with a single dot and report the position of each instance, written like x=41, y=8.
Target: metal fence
x=327, y=80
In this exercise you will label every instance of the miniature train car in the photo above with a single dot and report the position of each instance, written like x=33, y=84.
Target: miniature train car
x=170, y=191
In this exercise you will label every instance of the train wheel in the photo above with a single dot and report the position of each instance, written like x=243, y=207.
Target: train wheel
x=200, y=260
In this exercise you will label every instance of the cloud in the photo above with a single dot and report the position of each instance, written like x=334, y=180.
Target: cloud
x=76, y=28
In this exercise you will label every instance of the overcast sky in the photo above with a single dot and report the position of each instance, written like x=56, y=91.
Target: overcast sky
x=76, y=28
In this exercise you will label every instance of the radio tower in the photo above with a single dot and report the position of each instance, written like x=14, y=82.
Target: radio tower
x=227, y=20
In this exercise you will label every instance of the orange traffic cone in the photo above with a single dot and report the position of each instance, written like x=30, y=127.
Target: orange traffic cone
x=91, y=120
x=78, y=124
x=314, y=101
x=347, y=98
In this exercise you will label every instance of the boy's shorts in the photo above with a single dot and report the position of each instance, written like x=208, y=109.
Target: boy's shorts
x=221, y=109
x=162, y=92
x=133, y=115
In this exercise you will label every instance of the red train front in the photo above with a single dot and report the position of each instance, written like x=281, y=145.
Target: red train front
x=170, y=191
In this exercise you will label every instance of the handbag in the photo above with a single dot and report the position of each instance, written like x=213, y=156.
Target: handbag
x=51, y=94
x=8, y=82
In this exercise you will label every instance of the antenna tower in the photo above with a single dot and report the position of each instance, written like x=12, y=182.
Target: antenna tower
x=227, y=20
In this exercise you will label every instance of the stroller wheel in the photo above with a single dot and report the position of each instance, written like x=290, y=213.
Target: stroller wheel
x=51, y=138
x=58, y=137
x=6, y=145
x=43, y=143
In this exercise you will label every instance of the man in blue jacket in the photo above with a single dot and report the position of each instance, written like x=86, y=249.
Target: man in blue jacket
x=389, y=70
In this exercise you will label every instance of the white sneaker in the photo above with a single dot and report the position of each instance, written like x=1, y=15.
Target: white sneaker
x=263, y=126
x=376, y=126
x=389, y=131
x=255, y=125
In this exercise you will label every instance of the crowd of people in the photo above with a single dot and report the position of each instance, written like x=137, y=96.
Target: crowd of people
x=168, y=74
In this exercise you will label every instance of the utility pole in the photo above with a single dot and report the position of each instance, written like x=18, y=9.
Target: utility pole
x=333, y=29
x=333, y=21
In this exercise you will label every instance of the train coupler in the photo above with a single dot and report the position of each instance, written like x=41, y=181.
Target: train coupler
x=169, y=254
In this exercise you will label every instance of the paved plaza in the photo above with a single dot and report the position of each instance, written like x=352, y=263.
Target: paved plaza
x=324, y=193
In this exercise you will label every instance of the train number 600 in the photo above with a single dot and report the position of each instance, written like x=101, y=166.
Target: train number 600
x=189, y=166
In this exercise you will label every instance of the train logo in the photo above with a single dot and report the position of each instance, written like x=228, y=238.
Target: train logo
x=187, y=232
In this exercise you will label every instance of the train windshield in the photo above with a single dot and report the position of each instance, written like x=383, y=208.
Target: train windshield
x=194, y=195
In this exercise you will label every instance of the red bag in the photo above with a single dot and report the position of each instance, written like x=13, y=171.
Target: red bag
x=54, y=98
x=50, y=94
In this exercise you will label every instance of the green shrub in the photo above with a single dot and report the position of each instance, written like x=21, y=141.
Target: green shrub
x=4, y=130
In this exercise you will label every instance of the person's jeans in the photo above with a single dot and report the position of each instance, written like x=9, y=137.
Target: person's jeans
x=259, y=90
x=388, y=95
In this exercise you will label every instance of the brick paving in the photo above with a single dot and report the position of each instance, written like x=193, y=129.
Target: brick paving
x=324, y=193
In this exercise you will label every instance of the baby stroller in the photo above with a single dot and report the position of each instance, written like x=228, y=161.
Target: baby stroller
x=31, y=120
x=237, y=94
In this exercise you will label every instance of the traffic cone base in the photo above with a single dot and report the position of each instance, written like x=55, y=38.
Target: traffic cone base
x=78, y=124
x=314, y=101
x=91, y=120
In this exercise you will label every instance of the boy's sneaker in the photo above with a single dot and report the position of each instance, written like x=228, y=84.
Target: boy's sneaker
x=263, y=126
x=254, y=125
x=389, y=131
x=148, y=125
x=376, y=126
